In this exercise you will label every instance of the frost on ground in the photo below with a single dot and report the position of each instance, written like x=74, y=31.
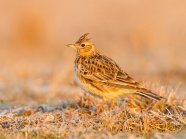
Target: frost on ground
x=85, y=117
x=81, y=119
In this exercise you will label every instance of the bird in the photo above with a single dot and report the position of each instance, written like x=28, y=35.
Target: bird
x=101, y=76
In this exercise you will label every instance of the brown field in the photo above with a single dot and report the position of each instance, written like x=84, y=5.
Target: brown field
x=38, y=97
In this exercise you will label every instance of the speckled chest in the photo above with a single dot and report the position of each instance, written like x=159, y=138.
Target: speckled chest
x=77, y=68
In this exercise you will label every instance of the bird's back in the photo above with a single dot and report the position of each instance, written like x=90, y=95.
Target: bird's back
x=101, y=76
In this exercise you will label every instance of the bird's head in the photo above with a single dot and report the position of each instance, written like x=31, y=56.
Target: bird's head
x=84, y=46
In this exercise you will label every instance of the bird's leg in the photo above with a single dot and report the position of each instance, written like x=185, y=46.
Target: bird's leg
x=100, y=105
x=112, y=103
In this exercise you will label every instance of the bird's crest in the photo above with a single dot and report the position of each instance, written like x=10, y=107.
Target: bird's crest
x=83, y=38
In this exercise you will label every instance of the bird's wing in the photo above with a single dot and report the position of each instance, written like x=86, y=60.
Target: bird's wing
x=104, y=74
x=104, y=70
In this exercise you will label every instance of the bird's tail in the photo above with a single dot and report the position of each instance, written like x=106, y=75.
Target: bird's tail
x=150, y=95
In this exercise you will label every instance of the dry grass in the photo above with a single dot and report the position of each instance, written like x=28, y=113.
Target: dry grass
x=81, y=119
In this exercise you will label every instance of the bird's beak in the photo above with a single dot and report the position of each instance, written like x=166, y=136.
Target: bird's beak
x=71, y=45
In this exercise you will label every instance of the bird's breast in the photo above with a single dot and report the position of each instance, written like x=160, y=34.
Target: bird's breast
x=77, y=78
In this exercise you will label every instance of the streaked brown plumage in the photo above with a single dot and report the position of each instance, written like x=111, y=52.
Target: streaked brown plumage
x=101, y=76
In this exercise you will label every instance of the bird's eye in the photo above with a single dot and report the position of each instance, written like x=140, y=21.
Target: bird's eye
x=82, y=45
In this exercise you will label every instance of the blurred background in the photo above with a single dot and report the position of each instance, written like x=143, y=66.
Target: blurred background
x=146, y=38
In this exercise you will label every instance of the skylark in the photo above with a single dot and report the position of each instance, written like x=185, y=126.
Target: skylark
x=101, y=76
